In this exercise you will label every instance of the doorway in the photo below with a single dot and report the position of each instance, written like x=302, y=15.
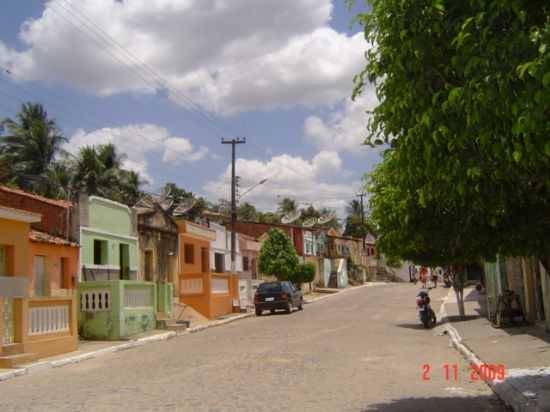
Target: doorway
x=124, y=261
x=63, y=274
x=149, y=265
x=39, y=275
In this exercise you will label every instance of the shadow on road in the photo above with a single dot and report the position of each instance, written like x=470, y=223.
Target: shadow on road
x=451, y=404
x=416, y=326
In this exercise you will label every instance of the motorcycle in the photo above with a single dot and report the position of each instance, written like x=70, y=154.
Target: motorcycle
x=425, y=311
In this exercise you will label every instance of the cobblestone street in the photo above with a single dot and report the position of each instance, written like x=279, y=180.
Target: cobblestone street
x=363, y=350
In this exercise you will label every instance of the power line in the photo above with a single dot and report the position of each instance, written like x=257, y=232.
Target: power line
x=131, y=61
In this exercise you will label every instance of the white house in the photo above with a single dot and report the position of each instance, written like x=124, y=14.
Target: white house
x=220, y=251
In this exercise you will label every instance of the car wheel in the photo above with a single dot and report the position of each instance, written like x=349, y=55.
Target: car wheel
x=272, y=311
x=258, y=312
x=289, y=308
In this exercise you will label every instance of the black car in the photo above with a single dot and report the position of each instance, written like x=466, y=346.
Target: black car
x=277, y=295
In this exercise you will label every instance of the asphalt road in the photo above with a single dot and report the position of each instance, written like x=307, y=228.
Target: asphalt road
x=362, y=350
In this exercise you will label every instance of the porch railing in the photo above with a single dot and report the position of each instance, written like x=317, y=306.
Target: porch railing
x=48, y=319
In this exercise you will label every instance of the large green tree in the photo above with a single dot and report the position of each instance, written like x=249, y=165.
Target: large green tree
x=31, y=144
x=277, y=256
x=464, y=91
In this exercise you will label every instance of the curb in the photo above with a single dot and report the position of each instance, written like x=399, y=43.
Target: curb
x=504, y=390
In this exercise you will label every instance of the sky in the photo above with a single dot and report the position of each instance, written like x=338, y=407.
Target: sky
x=165, y=80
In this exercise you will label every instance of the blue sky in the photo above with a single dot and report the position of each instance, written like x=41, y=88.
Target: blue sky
x=281, y=76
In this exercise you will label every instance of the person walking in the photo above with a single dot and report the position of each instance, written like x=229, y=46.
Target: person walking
x=434, y=277
x=423, y=276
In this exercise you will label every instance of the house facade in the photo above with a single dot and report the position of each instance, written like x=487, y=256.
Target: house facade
x=158, y=246
x=113, y=301
x=211, y=294
x=220, y=250
x=109, y=240
x=37, y=304
x=250, y=249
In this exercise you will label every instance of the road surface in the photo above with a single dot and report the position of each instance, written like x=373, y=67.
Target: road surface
x=362, y=350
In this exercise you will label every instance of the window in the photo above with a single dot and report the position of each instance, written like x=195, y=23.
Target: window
x=219, y=262
x=246, y=264
x=188, y=253
x=100, y=252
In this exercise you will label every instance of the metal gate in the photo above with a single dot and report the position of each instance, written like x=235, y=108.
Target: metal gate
x=7, y=339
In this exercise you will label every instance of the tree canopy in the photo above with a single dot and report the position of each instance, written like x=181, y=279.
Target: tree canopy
x=277, y=256
x=464, y=91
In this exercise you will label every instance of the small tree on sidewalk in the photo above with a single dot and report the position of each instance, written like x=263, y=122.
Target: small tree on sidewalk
x=278, y=257
x=305, y=273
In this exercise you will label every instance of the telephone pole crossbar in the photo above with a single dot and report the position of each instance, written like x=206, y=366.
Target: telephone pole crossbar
x=233, y=143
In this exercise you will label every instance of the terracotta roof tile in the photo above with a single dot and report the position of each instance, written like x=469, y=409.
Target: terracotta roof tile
x=60, y=203
x=41, y=237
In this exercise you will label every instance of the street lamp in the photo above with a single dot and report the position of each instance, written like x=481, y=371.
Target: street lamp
x=261, y=182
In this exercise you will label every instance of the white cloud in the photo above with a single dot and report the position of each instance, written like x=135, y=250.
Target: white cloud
x=226, y=55
x=291, y=176
x=344, y=129
x=135, y=142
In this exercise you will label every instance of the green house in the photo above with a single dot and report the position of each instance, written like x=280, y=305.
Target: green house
x=109, y=241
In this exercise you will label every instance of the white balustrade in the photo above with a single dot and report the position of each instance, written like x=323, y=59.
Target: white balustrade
x=138, y=297
x=220, y=285
x=95, y=300
x=48, y=319
x=191, y=286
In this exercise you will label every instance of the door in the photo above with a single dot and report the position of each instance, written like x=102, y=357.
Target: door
x=148, y=265
x=63, y=274
x=3, y=261
x=124, y=261
x=39, y=275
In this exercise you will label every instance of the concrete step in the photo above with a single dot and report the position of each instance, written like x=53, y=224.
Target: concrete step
x=12, y=361
x=12, y=349
x=176, y=327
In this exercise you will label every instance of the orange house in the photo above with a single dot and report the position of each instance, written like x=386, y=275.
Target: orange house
x=211, y=294
x=33, y=322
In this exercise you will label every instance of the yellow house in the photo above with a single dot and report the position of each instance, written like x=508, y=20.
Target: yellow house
x=31, y=327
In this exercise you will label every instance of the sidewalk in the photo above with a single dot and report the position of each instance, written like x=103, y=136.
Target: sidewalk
x=524, y=351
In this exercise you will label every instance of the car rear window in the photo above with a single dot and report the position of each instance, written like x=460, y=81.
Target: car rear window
x=269, y=288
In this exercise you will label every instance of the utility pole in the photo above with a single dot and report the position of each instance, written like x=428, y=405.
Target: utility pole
x=233, y=142
x=362, y=195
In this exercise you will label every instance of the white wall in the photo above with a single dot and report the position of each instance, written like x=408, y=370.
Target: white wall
x=222, y=244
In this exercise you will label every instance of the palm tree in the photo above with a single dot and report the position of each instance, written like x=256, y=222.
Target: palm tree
x=32, y=144
x=131, y=183
x=98, y=171
x=287, y=205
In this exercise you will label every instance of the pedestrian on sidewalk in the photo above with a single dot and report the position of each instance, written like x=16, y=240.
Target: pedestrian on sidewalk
x=423, y=276
x=434, y=277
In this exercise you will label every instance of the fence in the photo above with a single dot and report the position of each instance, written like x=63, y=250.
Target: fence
x=211, y=294
x=247, y=290
x=116, y=309
x=45, y=326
